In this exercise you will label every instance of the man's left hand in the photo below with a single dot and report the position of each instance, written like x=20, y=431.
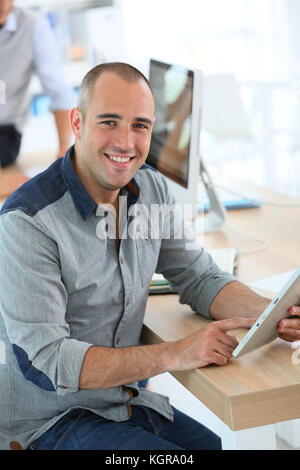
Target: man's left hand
x=289, y=328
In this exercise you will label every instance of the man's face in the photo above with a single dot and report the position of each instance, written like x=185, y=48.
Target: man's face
x=113, y=140
x=6, y=7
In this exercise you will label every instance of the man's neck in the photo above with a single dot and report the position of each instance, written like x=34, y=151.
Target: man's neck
x=105, y=196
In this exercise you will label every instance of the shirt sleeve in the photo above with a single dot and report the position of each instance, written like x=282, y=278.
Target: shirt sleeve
x=48, y=66
x=33, y=303
x=187, y=266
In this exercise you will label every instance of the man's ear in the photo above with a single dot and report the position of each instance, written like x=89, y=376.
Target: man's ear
x=76, y=119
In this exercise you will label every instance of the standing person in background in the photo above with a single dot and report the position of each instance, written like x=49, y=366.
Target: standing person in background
x=28, y=47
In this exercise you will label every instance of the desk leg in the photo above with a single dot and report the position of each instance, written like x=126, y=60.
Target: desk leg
x=259, y=438
x=289, y=432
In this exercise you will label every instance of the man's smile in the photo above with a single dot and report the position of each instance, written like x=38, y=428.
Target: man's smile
x=120, y=161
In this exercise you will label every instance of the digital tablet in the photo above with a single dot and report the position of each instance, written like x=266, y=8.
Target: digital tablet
x=264, y=329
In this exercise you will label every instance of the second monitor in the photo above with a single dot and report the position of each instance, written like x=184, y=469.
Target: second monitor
x=175, y=146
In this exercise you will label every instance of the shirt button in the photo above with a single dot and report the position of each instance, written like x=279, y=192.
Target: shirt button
x=118, y=341
x=121, y=260
x=127, y=302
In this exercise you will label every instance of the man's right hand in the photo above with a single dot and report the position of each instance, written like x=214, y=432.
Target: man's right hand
x=105, y=367
x=209, y=345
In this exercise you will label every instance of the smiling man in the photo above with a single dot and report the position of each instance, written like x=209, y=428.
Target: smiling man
x=112, y=128
x=72, y=305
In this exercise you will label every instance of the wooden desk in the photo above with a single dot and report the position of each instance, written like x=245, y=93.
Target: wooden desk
x=28, y=161
x=253, y=392
x=24, y=163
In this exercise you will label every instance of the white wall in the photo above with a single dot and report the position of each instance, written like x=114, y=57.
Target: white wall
x=249, y=38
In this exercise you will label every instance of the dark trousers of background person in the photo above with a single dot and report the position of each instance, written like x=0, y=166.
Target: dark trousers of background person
x=10, y=143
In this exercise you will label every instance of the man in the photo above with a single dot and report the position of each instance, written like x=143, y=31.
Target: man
x=27, y=47
x=72, y=302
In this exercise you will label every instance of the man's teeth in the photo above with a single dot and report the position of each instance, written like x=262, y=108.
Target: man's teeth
x=119, y=159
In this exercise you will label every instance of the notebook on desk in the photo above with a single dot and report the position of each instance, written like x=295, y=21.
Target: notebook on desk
x=225, y=258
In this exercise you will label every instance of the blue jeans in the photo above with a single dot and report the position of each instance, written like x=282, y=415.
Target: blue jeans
x=146, y=430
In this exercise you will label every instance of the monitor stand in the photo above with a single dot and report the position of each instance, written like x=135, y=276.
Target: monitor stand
x=216, y=217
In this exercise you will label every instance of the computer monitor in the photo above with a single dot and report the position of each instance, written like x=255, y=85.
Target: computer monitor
x=175, y=145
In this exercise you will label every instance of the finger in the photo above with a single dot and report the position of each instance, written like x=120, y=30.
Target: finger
x=215, y=358
x=288, y=338
x=288, y=334
x=294, y=310
x=292, y=323
x=225, y=350
x=219, y=359
x=228, y=340
x=236, y=323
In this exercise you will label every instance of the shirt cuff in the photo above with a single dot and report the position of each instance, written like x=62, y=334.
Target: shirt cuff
x=70, y=358
x=64, y=99
x=209, y=296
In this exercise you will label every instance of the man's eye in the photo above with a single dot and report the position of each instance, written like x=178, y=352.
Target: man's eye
x=108, y=123
x=138, y=125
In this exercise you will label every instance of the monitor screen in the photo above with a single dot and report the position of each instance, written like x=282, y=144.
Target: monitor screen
x=169, y=153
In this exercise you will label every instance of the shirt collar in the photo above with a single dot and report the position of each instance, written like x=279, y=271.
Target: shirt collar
x=11, y=22
x=82, y=200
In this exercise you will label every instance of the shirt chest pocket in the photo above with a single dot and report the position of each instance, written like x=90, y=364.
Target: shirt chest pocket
x=147, y=255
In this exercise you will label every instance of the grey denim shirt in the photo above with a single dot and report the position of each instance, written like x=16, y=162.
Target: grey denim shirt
x=64, y=287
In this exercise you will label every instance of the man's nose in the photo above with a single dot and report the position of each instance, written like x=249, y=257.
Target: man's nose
x=125, y=138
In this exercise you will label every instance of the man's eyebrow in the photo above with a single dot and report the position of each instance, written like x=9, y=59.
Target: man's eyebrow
x=144, y=119
x=117, y=116
x=109, y=116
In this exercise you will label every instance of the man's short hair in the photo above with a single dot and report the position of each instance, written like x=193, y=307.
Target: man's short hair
x=123, y=70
